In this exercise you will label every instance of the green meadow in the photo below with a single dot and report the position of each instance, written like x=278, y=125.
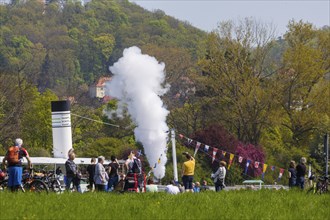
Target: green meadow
x=264, y=204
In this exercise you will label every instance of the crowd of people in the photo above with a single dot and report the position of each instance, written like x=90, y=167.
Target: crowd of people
x=107, y=178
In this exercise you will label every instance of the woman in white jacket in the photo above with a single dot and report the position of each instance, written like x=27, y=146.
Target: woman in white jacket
x=101, y=177
x=219, y=176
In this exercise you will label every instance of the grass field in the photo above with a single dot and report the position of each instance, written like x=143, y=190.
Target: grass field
x=264, y=204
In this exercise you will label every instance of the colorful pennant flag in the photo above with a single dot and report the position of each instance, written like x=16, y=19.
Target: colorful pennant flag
x=256, y=164
x=223, y=153
x=281, y=174
x=198, y=144
x=215, y=150
x=181, y=136
x=189, y=141
x=240, y=159
x=231, y=158
x=264, y=168
x=247, y=166
x=206, y=148
x=272, y=168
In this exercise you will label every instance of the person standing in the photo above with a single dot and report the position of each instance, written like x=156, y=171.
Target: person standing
x=301, y=172
x=91, y=173
x=292, y=174
x=219, y=176
x=72, y=174
x=113, y=173
x=101, y=176
x=188, y=170
x=13, y=160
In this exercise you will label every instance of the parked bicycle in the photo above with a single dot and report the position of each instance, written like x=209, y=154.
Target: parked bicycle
x=320, y=186
x=32, y=183
x=54, y=181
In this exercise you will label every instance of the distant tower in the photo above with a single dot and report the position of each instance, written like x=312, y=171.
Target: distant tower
x=61, y=123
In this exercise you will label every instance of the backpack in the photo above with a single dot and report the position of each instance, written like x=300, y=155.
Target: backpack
x=13, y=155
x=136, y=166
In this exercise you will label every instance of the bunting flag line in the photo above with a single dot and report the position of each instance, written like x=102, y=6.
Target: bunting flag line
x=247, y=166
x=240, y=159
x=198, y=144
x=281, y=174
x=231, y=158
x=256, y=164
x=264, y=168
x=215, y=150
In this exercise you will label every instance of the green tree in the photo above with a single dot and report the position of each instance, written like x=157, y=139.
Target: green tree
x=234, y=83
x=302, y=86
x=36, y=121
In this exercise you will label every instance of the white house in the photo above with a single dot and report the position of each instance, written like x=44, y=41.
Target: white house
x=97, y=90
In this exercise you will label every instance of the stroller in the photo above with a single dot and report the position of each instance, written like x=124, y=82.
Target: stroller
x=135, y=182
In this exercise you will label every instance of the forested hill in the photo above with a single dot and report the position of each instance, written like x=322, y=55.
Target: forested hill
x=62, y=48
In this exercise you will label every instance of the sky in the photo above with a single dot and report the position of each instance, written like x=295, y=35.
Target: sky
x=206, y=14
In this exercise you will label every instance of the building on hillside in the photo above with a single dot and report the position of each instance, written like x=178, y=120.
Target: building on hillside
x=97, y=90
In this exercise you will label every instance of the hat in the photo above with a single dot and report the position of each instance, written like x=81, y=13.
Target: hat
x=223, y=163
x=18, y=142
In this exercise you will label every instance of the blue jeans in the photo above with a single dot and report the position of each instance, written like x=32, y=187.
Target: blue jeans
x=301, y=182
x=292, y=182
x=75, y=181
x=101, y=188
x=113, y=181
x=15, y=176
x=187, y=182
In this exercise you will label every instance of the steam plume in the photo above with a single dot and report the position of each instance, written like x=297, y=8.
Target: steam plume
x=138, y=84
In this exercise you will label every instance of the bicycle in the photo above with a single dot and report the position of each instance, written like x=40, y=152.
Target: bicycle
x=53, y=182
x=322, y=185
x=30, y=183
x=319, y=187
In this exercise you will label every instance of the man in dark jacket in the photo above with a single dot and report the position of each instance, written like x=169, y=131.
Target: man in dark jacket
x=301, y=172
x=91, y=172
x=72, y=175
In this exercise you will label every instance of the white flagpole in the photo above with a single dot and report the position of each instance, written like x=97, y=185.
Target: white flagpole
x=175, y=168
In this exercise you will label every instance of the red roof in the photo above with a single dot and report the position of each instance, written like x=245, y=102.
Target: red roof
x=101, y=82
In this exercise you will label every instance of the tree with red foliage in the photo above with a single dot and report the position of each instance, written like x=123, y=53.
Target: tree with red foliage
x=253, y=153
x=218, y=137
